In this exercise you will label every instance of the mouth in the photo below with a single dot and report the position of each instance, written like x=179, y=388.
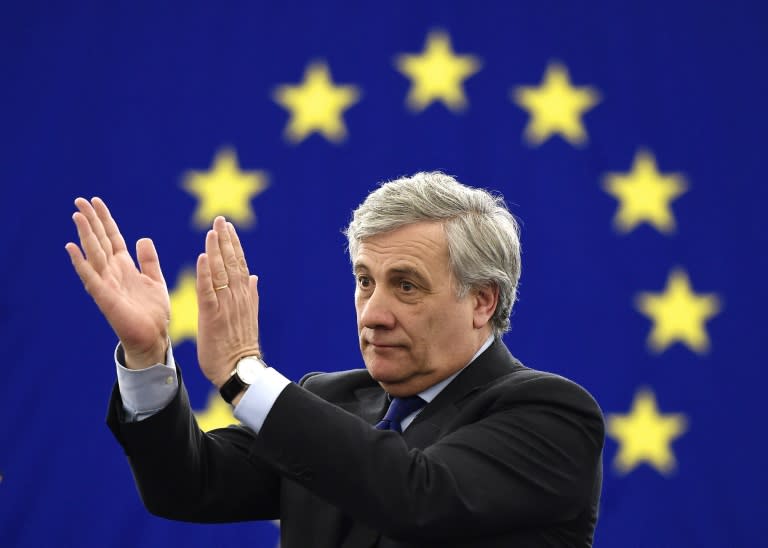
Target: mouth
x=382, y=346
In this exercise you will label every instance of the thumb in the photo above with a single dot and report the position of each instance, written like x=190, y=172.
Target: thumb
x=149, y=262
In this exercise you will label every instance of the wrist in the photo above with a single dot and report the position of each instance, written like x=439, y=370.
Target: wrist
x=246, y=372
x=237, y=398
x=232, y=362
x=142, y=359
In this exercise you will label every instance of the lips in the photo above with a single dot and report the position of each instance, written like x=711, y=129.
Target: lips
x=377, y=344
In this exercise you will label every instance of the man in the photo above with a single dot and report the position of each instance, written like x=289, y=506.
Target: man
x=443, y=440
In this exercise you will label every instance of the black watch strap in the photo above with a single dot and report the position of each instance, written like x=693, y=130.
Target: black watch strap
x=230, y=389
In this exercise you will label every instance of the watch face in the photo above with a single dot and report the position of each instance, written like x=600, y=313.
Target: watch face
x=249, y=368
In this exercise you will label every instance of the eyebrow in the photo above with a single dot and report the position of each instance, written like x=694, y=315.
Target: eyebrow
x=408, y=272
x=397, y=271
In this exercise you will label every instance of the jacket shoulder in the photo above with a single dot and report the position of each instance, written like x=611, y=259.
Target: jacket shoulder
x=332, y=386
x=527, y=386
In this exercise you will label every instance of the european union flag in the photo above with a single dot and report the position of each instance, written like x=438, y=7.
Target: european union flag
x=626, y=136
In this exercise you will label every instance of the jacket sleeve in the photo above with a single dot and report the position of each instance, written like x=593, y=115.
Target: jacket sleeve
x=532, y=457
x=185, y=474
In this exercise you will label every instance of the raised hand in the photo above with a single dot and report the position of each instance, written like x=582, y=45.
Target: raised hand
x=135, y=303
x=228, y=304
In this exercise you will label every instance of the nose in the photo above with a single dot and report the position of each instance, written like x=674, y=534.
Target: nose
x=375, y=310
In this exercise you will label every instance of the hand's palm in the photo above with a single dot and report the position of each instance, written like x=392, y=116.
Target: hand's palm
x=136, y=306
x=135, y=303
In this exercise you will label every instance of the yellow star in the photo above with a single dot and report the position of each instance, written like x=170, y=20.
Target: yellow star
x=225, y=190
x=678, y=314
x=183, y=298
x=555, y=107
x=316, y=105
x=217, y=414
x=437, y=74
x=645, y=435
x=644, y=194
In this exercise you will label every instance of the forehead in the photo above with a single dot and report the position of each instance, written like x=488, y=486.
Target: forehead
x=418, y=245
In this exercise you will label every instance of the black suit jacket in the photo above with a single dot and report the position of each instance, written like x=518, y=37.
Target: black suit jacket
x=503, y=456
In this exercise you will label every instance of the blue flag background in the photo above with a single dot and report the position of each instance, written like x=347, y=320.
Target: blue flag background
x=628, y=137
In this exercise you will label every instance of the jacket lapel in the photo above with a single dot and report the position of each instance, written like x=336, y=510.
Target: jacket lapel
x=368, y=402
x=495, y=362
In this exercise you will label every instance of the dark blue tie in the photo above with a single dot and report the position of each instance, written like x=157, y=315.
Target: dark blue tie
x=398, y=410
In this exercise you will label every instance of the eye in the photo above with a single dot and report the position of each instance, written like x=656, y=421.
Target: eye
x=363, y=282
x=407, y=286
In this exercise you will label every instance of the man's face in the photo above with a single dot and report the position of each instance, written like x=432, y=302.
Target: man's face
x=414, y=331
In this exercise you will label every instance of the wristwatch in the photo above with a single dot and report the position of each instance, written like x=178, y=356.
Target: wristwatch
x=245, y=373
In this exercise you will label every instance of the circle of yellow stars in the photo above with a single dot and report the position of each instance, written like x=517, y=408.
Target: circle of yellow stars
x=556, y=107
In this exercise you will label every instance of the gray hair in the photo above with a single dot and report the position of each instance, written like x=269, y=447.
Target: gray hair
x=483, y=236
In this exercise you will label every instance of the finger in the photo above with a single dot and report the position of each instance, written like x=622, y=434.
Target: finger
x=84, y=270
x=94, y=253
x=239, y=253
x=110, y=226
x=86, y=208
x=253, y=285
x=206, y=295
x=231, y=264
x=149, y=262
x=219, y=276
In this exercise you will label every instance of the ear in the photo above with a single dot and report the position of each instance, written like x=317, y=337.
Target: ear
x=486, y=299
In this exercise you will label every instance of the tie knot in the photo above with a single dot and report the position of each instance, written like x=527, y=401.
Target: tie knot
x=399, y=408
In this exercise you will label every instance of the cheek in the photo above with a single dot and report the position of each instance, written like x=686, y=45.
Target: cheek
x=451, y=323
x=358, y=309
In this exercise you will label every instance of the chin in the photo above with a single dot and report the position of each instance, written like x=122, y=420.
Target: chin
x=383, y=370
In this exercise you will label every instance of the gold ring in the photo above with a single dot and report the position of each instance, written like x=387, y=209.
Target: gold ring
x=221, y=287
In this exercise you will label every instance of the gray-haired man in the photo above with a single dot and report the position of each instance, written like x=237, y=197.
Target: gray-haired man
x=444, y=439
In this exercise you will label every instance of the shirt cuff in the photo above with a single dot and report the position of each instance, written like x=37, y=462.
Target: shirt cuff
x=257, y=401
x=146, y=391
